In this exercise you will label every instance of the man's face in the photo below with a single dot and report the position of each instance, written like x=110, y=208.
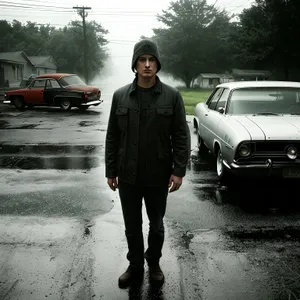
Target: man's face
x=146, y=66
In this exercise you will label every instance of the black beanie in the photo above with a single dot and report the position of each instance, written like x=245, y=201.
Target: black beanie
x=145, y=47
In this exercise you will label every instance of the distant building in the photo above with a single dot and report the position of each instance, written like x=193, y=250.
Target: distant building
x=43, y=64
x=211, y=80
x=13, y=67
x=240, y=74
x=17, y=66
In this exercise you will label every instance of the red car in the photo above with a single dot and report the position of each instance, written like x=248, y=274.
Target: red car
x=59, y=89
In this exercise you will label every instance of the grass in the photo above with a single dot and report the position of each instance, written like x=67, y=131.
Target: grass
x=191, y=97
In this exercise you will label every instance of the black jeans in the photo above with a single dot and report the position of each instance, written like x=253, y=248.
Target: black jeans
x=155, y=201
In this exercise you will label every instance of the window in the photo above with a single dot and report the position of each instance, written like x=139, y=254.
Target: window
x=71, y=80
x=214, y=99
x=39, y=83
x=222, y=101
x=52, y=83
x=19, y=72
x=280, y=100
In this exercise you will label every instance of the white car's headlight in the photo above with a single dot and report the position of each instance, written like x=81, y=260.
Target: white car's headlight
x=244, y=150
x=292, y=152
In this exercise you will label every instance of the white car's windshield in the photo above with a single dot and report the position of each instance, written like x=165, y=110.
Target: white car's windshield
x=267, y=100
x=71, y=80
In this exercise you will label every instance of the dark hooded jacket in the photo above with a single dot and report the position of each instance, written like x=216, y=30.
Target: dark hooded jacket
x=168, y=137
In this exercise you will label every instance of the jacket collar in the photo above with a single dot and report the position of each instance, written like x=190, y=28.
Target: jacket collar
x=157, y=86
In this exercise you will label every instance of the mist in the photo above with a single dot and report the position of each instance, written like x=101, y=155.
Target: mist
x=117, y=71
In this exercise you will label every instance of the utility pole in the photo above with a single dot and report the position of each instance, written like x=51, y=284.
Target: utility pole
x=81, y=11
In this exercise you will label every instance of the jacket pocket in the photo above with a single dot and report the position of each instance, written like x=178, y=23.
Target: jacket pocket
x=122, y=118
x=165, y=117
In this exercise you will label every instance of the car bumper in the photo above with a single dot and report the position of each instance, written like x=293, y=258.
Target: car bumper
x=94, y=102
x=268, y=168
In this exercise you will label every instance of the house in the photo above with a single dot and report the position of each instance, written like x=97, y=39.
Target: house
x=16, y=66
x=211, y=80
x=240, y=74
x=43, y=64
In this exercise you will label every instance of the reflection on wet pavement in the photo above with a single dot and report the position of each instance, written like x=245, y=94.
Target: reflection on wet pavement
x=223, y=242
x=49, y=156
x=253, y=196
x=54, y=162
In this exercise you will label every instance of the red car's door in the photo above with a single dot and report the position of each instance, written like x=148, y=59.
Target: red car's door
x=35, y=93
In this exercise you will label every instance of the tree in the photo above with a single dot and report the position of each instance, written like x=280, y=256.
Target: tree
x=193, y=40
x=268, y=37
x=64, y=44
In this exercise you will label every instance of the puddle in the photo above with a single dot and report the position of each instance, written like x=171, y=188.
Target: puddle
x=3, y=124
x=48, y=149
x=53, y=162
x=266, y=233
x=198, y=164
x=87, y=123
x=61, y=157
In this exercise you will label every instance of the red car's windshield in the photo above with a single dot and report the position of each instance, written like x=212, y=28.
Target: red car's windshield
x=71, y=80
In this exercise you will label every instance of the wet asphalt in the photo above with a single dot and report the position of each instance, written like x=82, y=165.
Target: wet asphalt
x=62, y=234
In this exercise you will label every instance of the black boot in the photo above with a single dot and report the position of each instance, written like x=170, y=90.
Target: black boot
x=131, y=276
x=156, y=275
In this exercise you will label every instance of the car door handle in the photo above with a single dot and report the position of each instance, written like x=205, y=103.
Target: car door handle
x=205, y=115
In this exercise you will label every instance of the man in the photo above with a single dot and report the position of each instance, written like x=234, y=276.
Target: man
x=147, y=150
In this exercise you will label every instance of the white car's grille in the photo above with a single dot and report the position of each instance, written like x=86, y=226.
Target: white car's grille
x=274, y=150
x=273, y=147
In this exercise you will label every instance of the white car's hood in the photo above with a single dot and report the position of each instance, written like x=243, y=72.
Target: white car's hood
x=285, y=127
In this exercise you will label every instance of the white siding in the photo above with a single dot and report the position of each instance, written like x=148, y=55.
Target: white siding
x=205, y=83
x=13, y=73
x=40, y=71
x=28, y=70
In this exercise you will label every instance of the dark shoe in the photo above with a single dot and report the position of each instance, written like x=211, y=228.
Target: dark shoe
x=131, y=276
x=156, y=275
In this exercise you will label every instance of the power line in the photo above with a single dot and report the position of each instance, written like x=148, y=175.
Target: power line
x=30, y=5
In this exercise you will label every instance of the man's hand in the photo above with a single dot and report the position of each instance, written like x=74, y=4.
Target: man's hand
x=174, y=183
x=113, y=183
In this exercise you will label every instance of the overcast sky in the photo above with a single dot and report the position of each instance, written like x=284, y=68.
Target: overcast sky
x=126, y=20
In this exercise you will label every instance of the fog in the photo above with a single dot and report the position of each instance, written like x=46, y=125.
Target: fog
x=117, y=71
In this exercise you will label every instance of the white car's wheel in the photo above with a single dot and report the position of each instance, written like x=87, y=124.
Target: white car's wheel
x=222, y=172
x=65, y=104
x=203, y=150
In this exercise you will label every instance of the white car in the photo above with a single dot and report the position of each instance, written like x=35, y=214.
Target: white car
x=253, y=129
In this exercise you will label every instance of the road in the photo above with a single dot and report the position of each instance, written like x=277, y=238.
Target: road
x=62, y=234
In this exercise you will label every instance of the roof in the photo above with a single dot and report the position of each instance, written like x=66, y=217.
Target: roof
x=262, y=83
x=43, y=62
x=240, y=72
x=15, y=57
x=214, y=75
x=210, y=75
x=55, y=75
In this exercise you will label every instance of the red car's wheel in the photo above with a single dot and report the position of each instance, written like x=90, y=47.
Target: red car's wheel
x=65, y=104
x=18, y=102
